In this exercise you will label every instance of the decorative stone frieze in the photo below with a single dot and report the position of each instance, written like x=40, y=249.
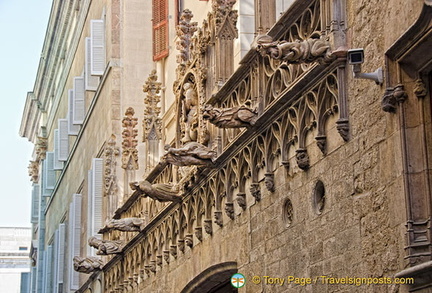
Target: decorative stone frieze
x=185, y=29
x=110, y=178
x=41, y=148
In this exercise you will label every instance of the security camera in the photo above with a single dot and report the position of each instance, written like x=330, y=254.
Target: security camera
x=356, y=56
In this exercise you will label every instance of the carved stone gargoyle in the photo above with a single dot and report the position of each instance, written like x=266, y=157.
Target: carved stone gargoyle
x=305, y=51
x=160, y=191
x=105, y=247
x=235, y=117
x=192, y=153
x=87, y=265
x=125, y=225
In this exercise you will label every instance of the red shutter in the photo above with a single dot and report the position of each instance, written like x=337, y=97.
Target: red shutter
x=160, y=29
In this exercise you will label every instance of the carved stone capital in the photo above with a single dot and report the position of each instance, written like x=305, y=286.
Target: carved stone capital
x=181, y=245
x=173, y=250
x=342, y=125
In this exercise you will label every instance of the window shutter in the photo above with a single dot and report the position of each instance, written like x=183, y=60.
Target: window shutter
x=91, y=81
x=97, y=194
x=160, y=29
x=78, y=109
x=35, y=204
x=73, y=129
x=44, y=270
x=33, y=279
x=55, y=261
x=74, y=239
x=63, y=139
x=97, y=35
x=60, y=257
x=90, y=250
x=48, y=269
x=49, y=174
x=58, y=165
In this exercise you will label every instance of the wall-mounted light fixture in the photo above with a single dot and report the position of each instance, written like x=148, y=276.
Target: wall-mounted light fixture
x=356, y=58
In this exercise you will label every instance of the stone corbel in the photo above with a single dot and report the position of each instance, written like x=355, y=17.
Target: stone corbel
x=392, y=97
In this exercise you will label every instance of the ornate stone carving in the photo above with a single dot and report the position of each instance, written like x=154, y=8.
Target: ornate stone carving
x=173, y=250
x=192, y=153
x=306, y=51
x=420, y=88
x=392, y=97
x=111, y=188
x=302, y=158
x=241, y=200
x=190, y=113
x=218, y=218
x=105, y=247
x=150, y=268
x=160, y=191
x=235, y=117
x=255, y=190
x=33, y=170
x=321, y=141
x=152, y=121
x=225, y=19
x=159, y=260
x=41, y=148
x=129, y=144
x=87, y=265
x=269, y=181
x=229, y=210
x=166, y=256
x=126, y=225
x=189, y=240
x=185, y=29
x=208, y=226
x=199, y=233
x=342, y=125
x=181, y=245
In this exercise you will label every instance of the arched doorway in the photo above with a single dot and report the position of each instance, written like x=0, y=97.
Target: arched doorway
x=215, y=279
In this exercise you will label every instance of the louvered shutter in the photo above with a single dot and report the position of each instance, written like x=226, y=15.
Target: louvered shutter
x=47, y=283
x=78, y=109
x=90, y=250
x=91, y=81
x=73, y=129
x=33, y=279
x=160, y=29
x=49, y=173
x=74, y=239
x=97, y=194
x=63, y=139
x=35, y=204
x=61, y=257
x=58, y=165
x=97, y=36
x=55, y=261
x=44, y=271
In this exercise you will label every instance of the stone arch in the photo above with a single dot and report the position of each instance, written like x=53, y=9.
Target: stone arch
x=214, y=279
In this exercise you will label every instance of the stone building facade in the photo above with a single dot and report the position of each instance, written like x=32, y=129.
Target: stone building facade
x=178, y=145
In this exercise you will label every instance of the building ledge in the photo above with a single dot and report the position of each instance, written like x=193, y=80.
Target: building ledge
x=422, y=275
